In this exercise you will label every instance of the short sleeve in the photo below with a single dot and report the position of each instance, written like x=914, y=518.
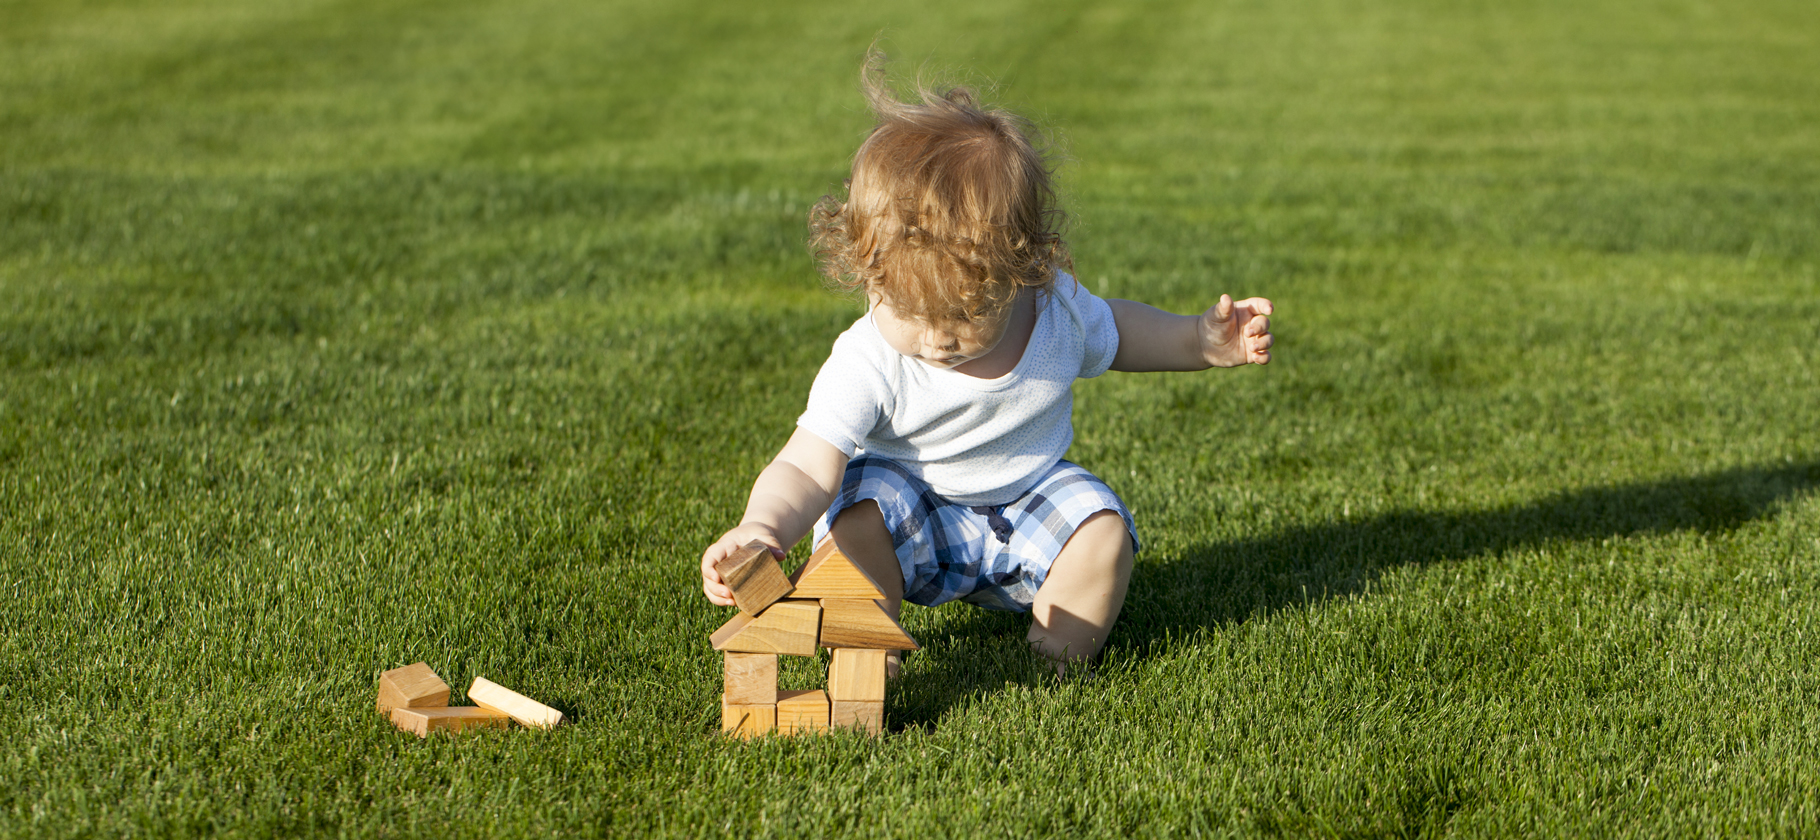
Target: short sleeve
x=847, y=400
x=1098, y=327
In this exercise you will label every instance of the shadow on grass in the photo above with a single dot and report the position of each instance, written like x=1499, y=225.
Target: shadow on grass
x=1224, y=582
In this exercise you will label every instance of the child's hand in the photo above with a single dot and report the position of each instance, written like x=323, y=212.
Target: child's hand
x=732, y=541
x=1234, y=334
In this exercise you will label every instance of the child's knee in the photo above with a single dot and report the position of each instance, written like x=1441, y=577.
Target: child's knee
x=1105, y=542
x=862, y=515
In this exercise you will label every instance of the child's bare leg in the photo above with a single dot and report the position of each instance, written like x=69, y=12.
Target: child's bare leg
x=860, y=530
x=1085, y=589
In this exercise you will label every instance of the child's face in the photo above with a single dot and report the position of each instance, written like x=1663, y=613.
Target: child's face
x=946, y=346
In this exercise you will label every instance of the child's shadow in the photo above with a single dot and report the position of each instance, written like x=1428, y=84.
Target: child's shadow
x=1224, y=582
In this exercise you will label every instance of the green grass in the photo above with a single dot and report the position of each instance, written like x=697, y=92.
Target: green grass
x=342, y=335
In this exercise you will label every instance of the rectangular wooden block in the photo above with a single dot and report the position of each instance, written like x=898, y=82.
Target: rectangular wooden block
x=751, y=679
x=411, y=687
x=859, y=623
x=747, y=721
x=790, y=627
x=491, y=695
x=755, y=578
x=867, y=715
x=857, y=674
x=802, y=711
x=447, y=719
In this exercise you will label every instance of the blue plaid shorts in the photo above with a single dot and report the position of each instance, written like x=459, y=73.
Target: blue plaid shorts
x=995, y=557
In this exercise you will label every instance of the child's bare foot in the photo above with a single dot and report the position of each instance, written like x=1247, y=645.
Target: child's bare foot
x=894, y=662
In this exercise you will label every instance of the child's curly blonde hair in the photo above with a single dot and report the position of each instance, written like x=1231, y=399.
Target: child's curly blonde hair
x=950, y=211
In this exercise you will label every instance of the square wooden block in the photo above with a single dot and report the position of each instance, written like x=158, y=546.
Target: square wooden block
x=755, y=578
x=857, y=674
x=747, y=721
x=751, y=679
x=866, y=715
x=802, y=711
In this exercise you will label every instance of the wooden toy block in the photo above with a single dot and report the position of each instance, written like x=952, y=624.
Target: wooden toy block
x=861, y=623
x=857, y=674
x=786, y=627
x=491, y=695
x=751, y=679
x=755, y=578
x=447, y=719
x=831, y=574
x=411, y=687
x=802, y=711
x=747, y=721
x=867, y=715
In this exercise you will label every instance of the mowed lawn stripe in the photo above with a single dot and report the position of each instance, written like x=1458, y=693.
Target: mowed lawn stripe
x=347, y=335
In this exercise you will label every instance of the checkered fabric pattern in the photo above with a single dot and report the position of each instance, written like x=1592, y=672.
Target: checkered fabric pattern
x=995, y=557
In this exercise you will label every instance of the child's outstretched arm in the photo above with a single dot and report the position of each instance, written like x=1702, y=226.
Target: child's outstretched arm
x=1229, y=334
x=789, y=495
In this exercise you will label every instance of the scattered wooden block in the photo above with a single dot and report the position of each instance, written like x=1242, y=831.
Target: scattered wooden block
x=755, y=578
x=867, y=715
x=831, y=574
x=786, y=627
x=447, y=719
x=751, y=679
x=411, y=687
x=857, y=674
x=747, y=721
x=802, y=711
x=861, y=623
x=491, y=695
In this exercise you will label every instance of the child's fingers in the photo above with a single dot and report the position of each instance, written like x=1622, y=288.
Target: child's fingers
x=1258, y=325
x=1260, y=306
x=1258, y=340
x=711, y=584
x=1260, y=350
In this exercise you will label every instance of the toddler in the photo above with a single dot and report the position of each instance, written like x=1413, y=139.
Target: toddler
x=932, y=445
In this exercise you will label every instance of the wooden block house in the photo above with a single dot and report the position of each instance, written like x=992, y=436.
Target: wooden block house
x=829, y=603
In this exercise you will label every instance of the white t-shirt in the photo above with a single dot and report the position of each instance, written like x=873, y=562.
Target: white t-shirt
x=975, y=441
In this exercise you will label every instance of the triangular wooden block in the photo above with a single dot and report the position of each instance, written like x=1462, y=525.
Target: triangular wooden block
x=755, y=578
x=861, y=623
x=789, y=627
x=831, y=574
